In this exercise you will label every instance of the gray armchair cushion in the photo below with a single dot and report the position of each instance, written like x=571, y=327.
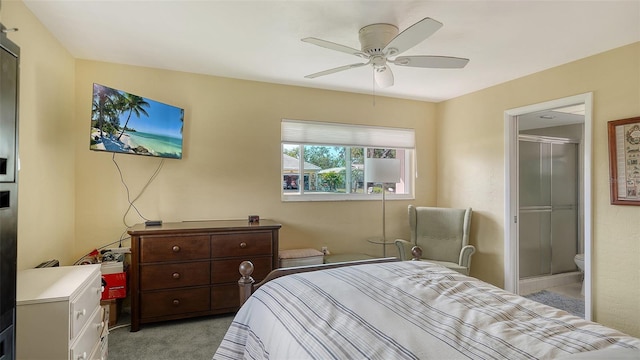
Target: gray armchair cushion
x=442, y=234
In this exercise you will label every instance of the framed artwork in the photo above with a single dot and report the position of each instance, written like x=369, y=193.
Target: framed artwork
x=624, y=161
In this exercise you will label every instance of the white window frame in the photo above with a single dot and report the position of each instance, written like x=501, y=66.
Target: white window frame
x=304, y=133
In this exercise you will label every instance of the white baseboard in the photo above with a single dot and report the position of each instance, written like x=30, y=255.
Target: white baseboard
x=531, y=285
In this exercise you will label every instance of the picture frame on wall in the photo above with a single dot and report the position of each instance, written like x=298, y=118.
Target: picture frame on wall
x=624, y=161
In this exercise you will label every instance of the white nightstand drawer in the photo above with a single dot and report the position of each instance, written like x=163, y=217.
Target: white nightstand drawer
x=83, y=307
x=89, y=338
x=101, y=352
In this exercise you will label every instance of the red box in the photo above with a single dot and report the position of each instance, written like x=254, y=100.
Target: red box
x=115, y=286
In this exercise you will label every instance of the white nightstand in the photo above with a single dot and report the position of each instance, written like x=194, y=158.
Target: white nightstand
x=58, y=314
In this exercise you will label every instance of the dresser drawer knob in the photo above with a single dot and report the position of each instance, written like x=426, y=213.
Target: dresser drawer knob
x=175, y=248
x=82, y=356
x=176, y=302
x=243, y=245
x=176, y=275
x=81, y=313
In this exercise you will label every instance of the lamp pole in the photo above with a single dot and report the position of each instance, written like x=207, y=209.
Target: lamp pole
x=381, y=171
x=384, y=234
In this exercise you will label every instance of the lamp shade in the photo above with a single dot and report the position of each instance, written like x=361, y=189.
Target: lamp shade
x=382, y=170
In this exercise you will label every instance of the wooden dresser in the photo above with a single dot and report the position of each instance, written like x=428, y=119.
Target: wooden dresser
x=188, y=269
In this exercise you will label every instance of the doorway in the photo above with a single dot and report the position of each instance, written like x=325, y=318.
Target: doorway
x=535, y=132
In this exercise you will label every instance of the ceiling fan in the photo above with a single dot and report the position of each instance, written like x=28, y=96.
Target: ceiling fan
x=382, y=42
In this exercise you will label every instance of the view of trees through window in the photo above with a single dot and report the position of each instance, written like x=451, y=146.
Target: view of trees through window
x=329, y=169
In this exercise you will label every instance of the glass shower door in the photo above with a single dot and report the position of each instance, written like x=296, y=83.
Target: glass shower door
x=535, y=209
x=564, y=202
x=548, y=222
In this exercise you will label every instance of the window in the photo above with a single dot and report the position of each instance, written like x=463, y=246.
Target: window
x=332, y=159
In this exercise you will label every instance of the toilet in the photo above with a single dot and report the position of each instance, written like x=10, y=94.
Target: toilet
x=579, y=260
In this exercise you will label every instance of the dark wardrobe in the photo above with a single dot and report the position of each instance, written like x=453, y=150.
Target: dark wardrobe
x=8, y=192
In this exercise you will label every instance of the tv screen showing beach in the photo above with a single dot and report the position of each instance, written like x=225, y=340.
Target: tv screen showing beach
x=125, y=123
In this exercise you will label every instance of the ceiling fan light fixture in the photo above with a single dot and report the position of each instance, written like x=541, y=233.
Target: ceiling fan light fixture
x=379, y=61
x=383, y=76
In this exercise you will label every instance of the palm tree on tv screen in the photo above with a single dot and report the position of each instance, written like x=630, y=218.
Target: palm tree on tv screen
x=133, y=104
x=103, y=104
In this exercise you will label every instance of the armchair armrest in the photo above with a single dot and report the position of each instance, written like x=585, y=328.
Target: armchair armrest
x=404, y=249
x=465, y=256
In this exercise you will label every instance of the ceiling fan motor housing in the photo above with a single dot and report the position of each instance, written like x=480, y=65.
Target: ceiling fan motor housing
x=374, y=37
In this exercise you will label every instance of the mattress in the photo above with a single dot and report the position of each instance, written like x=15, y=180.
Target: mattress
x=406, y=310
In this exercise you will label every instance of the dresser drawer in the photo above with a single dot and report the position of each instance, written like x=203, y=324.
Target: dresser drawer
x=163, y=276
x=241, y=244
x=223, y=271
x=171, y=302
x=89, y=339
x=174, y=248
x=225, y=296
x=83, y=306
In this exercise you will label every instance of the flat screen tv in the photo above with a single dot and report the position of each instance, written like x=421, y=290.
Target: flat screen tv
x=126, y=123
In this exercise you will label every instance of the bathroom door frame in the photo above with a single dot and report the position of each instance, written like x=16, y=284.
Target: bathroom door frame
x=511, y=243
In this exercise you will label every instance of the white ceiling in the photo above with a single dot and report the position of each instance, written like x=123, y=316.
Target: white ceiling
x=568, y=115
x=260, y=40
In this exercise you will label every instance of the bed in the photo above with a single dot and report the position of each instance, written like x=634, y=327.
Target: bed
x=407, y=310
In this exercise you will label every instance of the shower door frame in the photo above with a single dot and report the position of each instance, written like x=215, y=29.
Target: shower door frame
x=552, y=208
x=511, y=250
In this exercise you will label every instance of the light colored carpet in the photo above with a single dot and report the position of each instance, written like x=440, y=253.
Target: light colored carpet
x=566, y=303
x=192, y=339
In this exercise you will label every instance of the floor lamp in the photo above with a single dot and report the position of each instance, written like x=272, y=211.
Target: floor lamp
x=382, y=171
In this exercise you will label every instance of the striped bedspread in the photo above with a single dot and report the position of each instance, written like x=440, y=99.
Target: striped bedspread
x=405, y=310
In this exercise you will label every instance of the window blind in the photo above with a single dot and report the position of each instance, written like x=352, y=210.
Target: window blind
x=322, y=133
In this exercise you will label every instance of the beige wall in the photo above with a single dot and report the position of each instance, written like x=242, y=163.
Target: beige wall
x=470, y=157
x=231, y=164
x=46, y=178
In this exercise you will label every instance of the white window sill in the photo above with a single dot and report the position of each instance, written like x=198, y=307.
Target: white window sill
x=295, y=197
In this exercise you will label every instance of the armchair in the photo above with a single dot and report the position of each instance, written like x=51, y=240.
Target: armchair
x=443, y=236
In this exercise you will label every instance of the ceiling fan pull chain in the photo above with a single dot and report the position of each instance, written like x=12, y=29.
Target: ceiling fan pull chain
x=373, y=86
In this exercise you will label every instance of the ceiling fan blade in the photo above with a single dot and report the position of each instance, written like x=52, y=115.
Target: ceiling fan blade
x=335, y=70
x=337, y=47
x=412, y=36
x=424, y=61
x=383, y=76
